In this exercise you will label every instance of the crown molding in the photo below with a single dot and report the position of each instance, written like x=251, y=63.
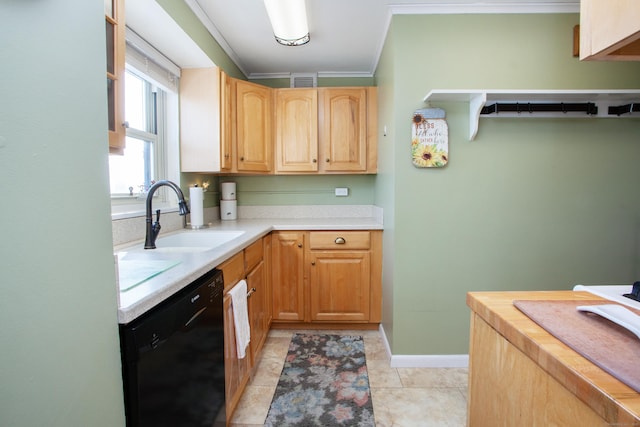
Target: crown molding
x=217, y=35
x=488, y=7
x=321, y=74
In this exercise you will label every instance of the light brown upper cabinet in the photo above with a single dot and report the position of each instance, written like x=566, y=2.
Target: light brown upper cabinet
x=206, y=120
x=610, y=30
x=253, y=126
x=343, y=129
x=234, y=126
x=326, y=130
x=200, y=120
x=296, y=130
x=115, y=30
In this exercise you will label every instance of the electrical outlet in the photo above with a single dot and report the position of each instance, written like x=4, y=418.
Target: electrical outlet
x=342, y=192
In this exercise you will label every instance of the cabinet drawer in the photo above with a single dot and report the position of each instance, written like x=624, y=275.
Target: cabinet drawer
x=253, y=255
x=336, y=240
x=232, y=270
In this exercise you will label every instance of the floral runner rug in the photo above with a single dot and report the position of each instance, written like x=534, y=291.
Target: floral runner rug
x=324, y=382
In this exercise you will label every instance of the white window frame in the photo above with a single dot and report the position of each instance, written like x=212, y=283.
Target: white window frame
x=147, y=62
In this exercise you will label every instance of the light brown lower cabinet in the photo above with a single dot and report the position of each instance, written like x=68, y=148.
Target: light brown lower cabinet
x=327, y=276
x=236, y=371
x=248, y=264
x=287, y=258
x=298, y=277
x=256, y=283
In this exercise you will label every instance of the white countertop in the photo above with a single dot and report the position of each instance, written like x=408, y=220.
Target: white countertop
x=189, y=266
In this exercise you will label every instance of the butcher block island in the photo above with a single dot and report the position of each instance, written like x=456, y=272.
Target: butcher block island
x=521, y=375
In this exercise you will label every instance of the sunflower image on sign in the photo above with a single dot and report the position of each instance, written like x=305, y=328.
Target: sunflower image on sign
x=429, y=138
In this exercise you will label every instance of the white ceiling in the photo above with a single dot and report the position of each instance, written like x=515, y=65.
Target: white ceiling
x=346, y=35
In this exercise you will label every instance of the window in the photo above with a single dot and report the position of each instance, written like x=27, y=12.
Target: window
x=135, y=170
x=151, y=114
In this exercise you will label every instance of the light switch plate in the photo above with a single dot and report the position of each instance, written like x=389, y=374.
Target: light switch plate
x=342, y=191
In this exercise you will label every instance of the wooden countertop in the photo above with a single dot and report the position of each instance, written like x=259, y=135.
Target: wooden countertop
x=614, y=401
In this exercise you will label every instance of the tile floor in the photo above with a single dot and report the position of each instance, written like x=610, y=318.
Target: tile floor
x=402, y=397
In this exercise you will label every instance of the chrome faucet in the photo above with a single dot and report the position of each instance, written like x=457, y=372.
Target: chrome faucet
x=153, y=228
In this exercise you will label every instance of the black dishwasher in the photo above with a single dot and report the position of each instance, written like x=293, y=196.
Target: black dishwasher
x=173, y=359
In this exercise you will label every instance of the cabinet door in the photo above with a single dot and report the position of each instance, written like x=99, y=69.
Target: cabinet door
x=610, y=29
x=343, y=129
x=268, y=305
x=296, y=130
x=226, y=120
x=340, y=286
x=115, y=32
x=256, y=284
x=254, y=138
x=287, y=283
x=236, y=371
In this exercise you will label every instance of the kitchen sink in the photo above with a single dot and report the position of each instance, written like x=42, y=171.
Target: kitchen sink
x=180, y=249
x=194, y=241
x=137, y=265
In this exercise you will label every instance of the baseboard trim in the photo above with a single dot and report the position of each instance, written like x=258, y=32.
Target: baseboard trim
x=430, y=361
x=426, y=360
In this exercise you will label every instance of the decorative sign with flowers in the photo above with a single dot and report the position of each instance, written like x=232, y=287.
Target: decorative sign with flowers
x=429, y=138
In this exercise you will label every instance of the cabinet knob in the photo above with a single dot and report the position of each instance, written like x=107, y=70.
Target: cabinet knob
x=313, y=263
x=242, y=159
x=340, y=241
x=327, y=160
x=315, y=161
x=299, y=245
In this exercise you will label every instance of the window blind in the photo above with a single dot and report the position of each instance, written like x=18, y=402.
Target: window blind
x=149, y=61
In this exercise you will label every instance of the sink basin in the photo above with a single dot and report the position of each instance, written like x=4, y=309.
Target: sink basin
x=194, y=241
x=180, y=249
x=137, y=265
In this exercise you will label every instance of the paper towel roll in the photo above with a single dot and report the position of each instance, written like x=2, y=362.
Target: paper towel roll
x=228, y=210
x=196, y=198
x=228, y=190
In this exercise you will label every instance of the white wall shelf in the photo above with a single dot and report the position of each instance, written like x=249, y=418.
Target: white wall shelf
x=536, y=103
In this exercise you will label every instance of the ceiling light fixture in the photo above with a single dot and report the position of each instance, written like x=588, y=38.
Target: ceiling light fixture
x=289, y=21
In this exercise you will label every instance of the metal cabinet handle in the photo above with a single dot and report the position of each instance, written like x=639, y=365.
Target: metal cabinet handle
x=340, y=241
x=251, y=291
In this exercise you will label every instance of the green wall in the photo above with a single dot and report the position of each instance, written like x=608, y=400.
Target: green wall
x=303, y=190
x=60, y=358
x=385, y=194
x=531, y=204
x=184, y=16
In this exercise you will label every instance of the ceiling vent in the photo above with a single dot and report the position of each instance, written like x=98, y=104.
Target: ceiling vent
x=304, y=80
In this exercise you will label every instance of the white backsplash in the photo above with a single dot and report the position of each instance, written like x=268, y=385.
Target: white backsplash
x=132, y=229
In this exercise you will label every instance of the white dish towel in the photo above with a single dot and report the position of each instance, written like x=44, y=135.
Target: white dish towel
x=241, y=317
